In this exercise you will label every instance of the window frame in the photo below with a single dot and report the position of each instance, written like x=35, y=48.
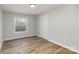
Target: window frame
x=15, y=25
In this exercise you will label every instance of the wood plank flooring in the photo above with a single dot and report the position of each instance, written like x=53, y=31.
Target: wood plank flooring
x=33, y=45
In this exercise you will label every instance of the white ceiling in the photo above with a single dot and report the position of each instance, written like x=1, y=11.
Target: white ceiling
x=24, y=8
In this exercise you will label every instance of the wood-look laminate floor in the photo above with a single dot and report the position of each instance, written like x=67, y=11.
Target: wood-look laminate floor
x=32, y=45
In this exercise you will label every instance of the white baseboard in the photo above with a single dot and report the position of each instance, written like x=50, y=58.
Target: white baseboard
x=65, y=46
x=13, y=38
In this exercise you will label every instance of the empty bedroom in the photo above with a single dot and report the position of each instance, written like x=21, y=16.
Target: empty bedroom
x=39, y=29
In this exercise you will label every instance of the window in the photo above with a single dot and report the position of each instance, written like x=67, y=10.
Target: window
x=20, y=24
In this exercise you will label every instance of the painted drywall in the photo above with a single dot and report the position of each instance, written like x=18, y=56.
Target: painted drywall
x=62, y=25
x=8, y=25
x=42, y=25
x=1, y=38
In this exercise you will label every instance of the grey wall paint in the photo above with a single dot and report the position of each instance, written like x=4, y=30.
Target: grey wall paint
x=63, y=25
x=8, y=25
x=1, y=38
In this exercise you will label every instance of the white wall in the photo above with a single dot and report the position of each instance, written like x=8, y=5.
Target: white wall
x=8, y=25
x=1, y=38
x=42, y=25
x=63, y=25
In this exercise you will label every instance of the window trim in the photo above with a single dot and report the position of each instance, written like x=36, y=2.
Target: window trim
x=15, y=24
